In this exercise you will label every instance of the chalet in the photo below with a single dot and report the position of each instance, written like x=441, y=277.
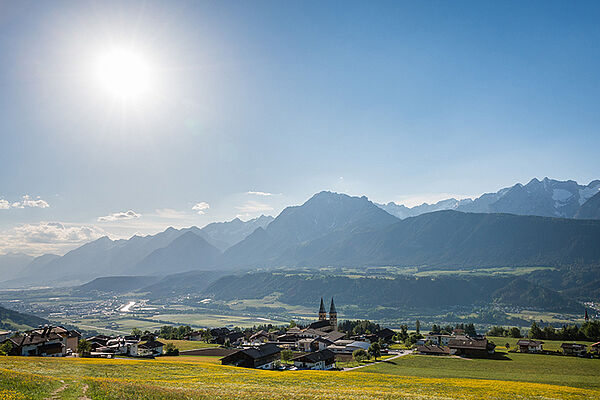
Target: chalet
x=433, y=350
x=322, y=360
x=195, y=336
x=151, y=348
x=316, y=344
x=573, y=349
x=386, y=335
x=263, y=357
x=530, y=346
x=260, y=337
x=471, y=347
x=41, y=342
x=439, y=339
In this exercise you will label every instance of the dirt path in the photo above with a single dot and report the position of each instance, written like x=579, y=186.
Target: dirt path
x=378, y=362
x=56, y=394
x=84, y=390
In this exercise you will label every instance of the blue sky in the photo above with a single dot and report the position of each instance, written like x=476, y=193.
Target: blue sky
x=399, y=101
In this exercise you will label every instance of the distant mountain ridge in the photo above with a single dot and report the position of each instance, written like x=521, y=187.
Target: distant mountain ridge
x=545, y=198
x=148, y=255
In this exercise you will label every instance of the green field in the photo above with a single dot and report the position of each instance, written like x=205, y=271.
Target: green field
x=552, y=345
x=189, y=377
x=548, y=369
x=183, y=345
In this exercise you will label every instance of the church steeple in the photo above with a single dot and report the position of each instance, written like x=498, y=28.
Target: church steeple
x=586, y=318
x=322, y=313
x=333, y=316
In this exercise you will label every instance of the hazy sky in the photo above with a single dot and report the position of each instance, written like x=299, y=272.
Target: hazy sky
x=249, y=106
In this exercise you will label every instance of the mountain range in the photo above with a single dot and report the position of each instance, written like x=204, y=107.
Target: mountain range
x=332, y=229
x=545, y=198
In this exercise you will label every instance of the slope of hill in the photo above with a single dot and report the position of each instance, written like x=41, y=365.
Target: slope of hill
x=547, y=198
x=115, y=284
x=192, y=282
x=189, y=251
x=323, y=219
x=13, y=320
x=12, y=264
x=223, y=235
x=401, y=292
x=450, y=238
x=590, y=209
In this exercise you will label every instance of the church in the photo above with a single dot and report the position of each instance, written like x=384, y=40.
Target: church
x=324, y=324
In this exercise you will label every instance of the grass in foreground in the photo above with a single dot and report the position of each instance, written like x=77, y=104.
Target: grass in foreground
x=191, y=378
x=547, y=369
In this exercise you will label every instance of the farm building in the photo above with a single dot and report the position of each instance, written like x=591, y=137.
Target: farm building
x=573, y=349
x=471, y=347
x=322, y=360
x=530, y=346
x=263, y=357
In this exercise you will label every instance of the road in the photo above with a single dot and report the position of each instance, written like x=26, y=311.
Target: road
x=404, y=353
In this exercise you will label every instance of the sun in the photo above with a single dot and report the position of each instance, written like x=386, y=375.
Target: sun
x=123, y=74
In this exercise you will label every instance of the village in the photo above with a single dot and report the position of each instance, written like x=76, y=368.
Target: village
x=320, y=345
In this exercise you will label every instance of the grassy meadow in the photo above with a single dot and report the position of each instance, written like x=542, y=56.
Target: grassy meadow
x=189, y=377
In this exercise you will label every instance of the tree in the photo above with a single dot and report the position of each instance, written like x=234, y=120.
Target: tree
x=359, y=355
x=515, y=332
x=227, y=343
x=84, y=347
x=535, y=332
x=6, y=348
x=171, y=350
x=286, y=355
x=374, y=350
x=418, y=326
x=470, y=330
x=507, y=345
x=137, y=332
x=497, y=331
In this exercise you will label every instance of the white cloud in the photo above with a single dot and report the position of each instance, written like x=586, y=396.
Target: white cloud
x=26, y=201
x=119, y=216
x=201, y=207
x=47, y=237
x=259, y=193
x=254, y=207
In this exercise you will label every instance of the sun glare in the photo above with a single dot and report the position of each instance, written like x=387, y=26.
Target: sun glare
x=123, y=74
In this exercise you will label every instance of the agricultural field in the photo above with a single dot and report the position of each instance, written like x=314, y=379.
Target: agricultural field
x=551, y=345
x=192, y=377
x=184, y=345
x=543, y=369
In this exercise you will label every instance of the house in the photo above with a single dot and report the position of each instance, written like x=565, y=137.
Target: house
x=322, y=360
x=595, y=348
x=573, y=349
x=386, y=335
x=439, y=339
x=195, y=336
x=348, y=346
x=260, y=337
x=530, y=346
x=42, y=342
x=471, y=347
x=151, y=348
x=433, y=350
x=316, y=344
x=263, y=357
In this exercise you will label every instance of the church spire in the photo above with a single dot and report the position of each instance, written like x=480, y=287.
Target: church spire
x=322, y=313
x=586, y=316
x=333, y=316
